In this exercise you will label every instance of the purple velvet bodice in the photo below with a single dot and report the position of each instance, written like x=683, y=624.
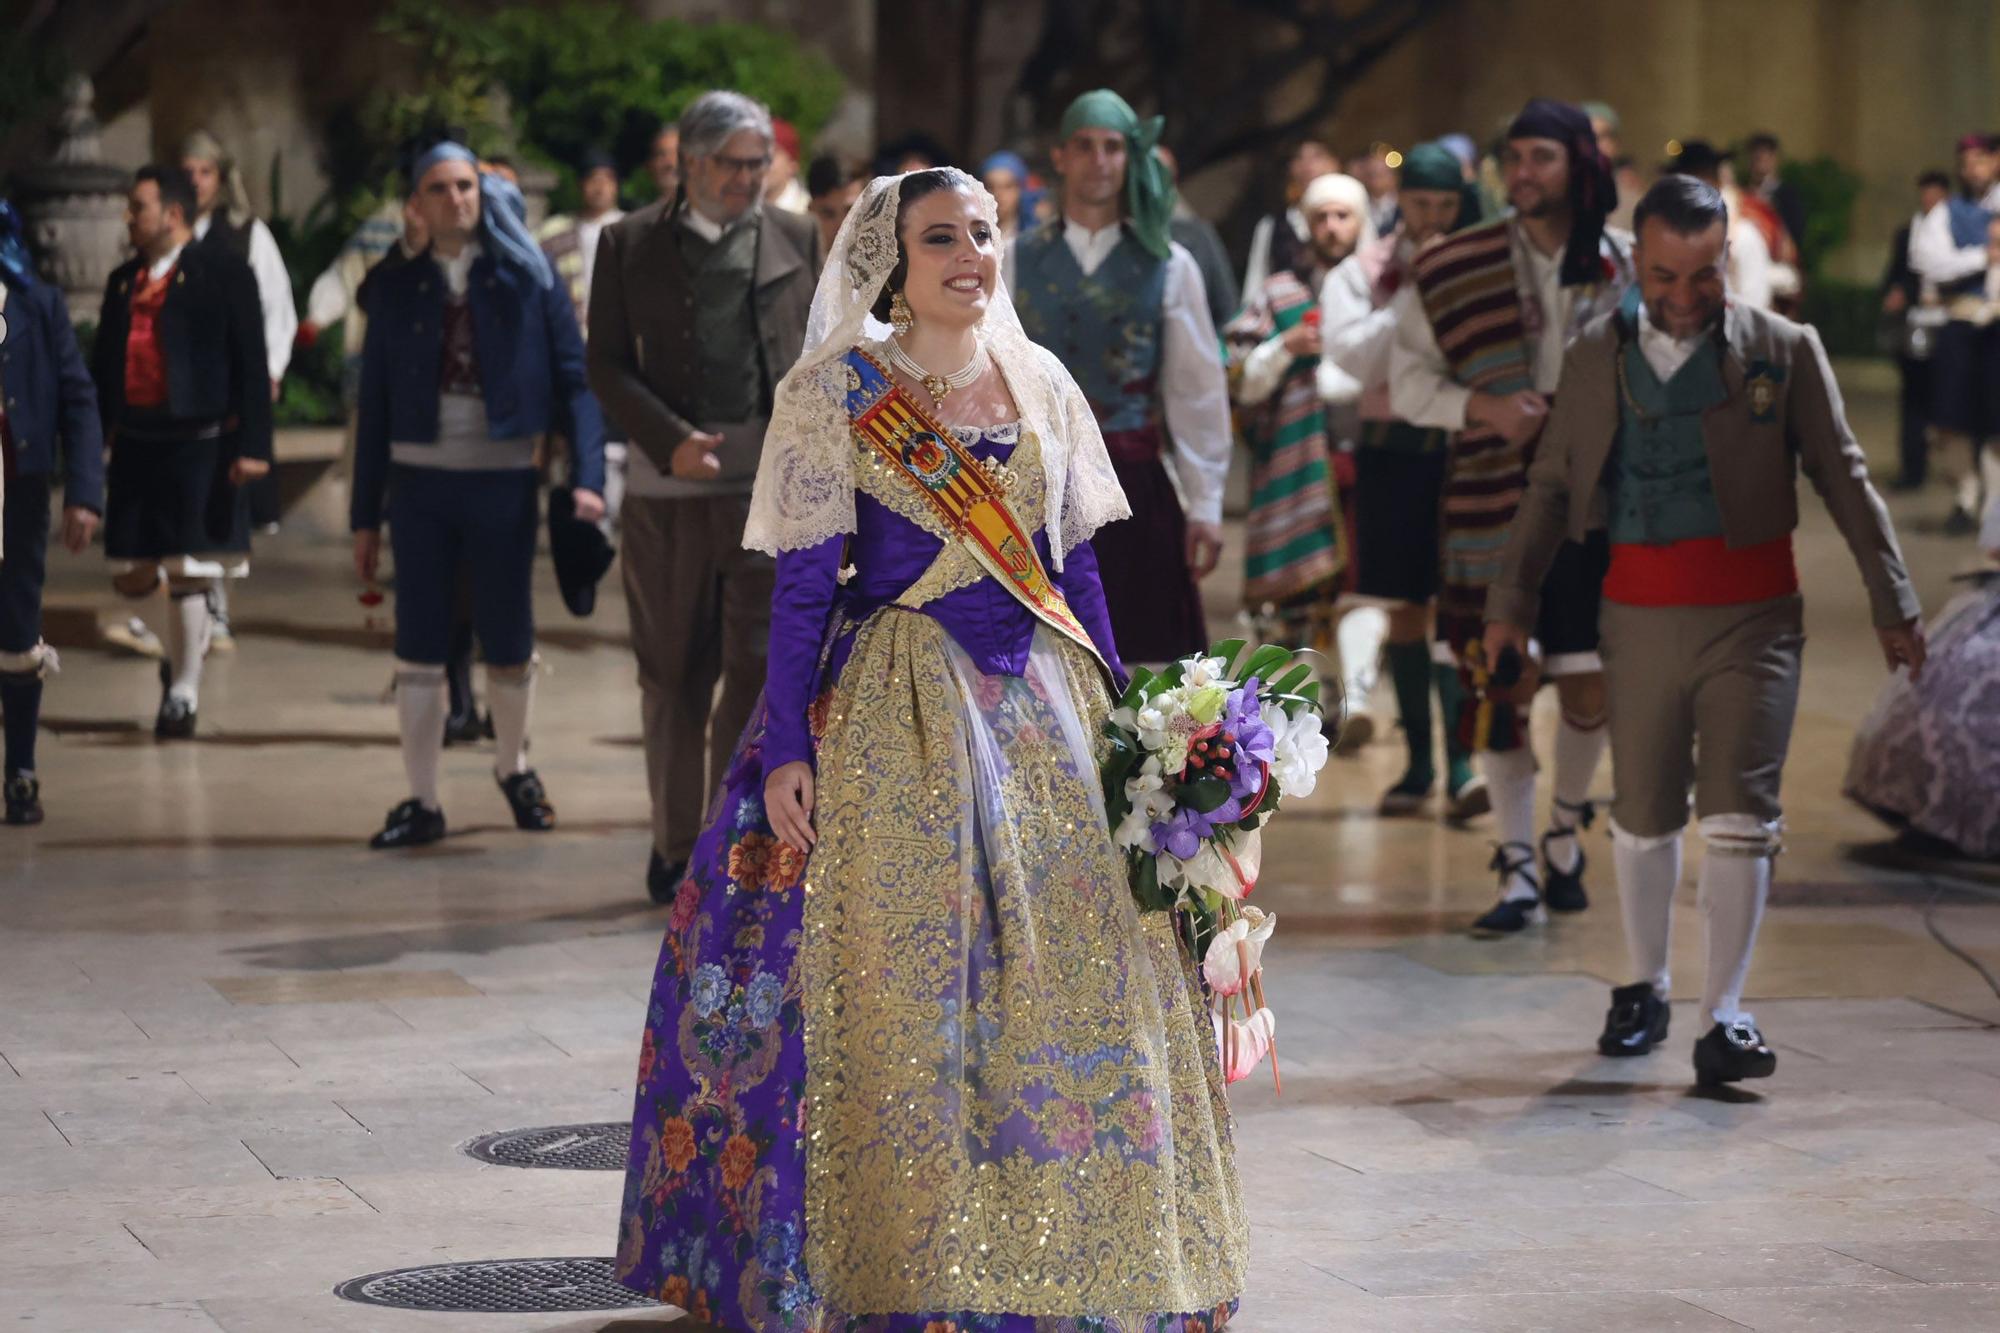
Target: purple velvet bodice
x=889, y=553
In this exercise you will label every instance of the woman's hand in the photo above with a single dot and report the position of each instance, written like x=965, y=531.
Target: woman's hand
x=788, y=801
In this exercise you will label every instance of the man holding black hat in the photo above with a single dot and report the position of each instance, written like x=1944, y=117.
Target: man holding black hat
x=698, y=307
x=1107, y=290
x=1480, y=333
x=472, y=354
x=46, y=401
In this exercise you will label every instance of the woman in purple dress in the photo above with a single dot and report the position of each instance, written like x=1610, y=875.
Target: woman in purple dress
x=914, y=1062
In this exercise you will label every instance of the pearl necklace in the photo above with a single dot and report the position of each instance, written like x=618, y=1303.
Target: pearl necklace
x=939, y=386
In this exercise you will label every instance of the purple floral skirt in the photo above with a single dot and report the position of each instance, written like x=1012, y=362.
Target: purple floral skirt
x=727, y=1166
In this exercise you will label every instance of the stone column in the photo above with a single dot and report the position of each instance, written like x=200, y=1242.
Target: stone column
x=73, y=206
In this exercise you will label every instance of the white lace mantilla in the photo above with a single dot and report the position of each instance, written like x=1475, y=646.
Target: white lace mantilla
x=805, y=482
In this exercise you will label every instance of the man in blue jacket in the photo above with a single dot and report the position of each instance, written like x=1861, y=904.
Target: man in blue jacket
x=45, y=396
x=472, y=354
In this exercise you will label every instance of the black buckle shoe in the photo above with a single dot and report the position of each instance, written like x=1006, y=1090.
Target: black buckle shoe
x=24, y=800
x=1409, y=795
x=175, y=720
x=1563, y=889
x=529, y=801
x=411, y=824
x=1511, y=916
x=663, y=878
x=1732, y=1052
x=464, y=728
x=1637, y=1021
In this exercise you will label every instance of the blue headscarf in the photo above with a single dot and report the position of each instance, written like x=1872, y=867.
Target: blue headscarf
x=1030, y=196
x=503, y=211
x=17, y=269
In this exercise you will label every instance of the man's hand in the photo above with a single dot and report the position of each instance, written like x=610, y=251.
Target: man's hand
x=788, y=801
x=247, y=469
x=367, y=553
x=276, y=388
x=79, y=526
x=1499, y=637
x=1515, y=418
x=1903, y=645
x=589, y=505
x=694, y=457
x=1204, y=547
x=1895, y=301
x=1302, y=339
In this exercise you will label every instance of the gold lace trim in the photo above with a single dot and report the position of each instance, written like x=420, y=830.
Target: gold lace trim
x=1043, y=1136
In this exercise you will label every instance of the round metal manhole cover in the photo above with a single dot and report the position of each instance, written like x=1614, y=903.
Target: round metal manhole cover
x=498, y=1286
x=599, y=1147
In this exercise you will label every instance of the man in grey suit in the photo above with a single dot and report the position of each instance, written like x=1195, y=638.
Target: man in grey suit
x=1683, y=425
x=698, y=307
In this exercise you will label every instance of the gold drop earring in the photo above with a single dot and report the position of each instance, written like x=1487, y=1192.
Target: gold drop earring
x=900, y=316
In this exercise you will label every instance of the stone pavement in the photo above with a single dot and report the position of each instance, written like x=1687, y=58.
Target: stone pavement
x=239, y=1052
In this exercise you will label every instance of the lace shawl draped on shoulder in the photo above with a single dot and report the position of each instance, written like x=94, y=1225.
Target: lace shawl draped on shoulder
x=804, y=492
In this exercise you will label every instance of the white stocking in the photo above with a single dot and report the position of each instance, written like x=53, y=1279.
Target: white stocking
x=1510, y=780
x=510, y=693
x=1649, y=871
x=1735, y=882
x=1360, y=635
x=187, y=643
x=420, y=708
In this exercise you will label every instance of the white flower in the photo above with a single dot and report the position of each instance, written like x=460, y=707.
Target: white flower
x=1211, y=867
x=1249, y=1043
x=1300, y=752
x=1222, y=966
x=1135, y=830
x=1203, y=671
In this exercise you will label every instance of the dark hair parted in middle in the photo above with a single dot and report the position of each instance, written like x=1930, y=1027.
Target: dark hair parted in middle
x=1688, y=206
x=915, y=186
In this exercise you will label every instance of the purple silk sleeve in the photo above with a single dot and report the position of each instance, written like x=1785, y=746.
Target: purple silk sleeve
x=1085, y=592
x=800, y=603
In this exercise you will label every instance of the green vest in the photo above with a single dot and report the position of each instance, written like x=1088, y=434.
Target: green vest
x=731, y=386
x=1661, y=490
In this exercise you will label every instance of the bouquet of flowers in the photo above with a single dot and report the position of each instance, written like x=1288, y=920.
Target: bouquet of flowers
x=1200, y=757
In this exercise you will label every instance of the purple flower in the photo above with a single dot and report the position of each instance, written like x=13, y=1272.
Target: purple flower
x=1180, y=833
x=1243, y=720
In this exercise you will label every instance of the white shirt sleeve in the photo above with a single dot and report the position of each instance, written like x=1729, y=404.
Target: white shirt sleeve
x=326, y=303
x=1194, y=389
x=1421, y=389
x=1008, y=269
x=1259, y=267
x=1263, y=371
x=1354, y=335
x=274, y=294
x=1749, y=266
x=1933, y=253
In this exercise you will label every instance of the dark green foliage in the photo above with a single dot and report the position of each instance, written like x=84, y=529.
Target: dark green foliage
x=1829, y=191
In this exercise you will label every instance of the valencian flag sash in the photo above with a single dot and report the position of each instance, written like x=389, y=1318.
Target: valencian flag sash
x=968, y=500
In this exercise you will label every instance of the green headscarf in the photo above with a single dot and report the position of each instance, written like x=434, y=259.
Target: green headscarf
x=1432, y=166
x=1149, y=192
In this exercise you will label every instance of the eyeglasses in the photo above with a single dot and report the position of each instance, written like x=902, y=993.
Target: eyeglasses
x=740, y=166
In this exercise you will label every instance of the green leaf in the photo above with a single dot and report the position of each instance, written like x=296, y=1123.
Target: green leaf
x=1146, y=884
x=1135, y=693
x=1311, y=694
x=1228, y=650
x=1205, y=794
x=1292, y=679
x=1264, y=661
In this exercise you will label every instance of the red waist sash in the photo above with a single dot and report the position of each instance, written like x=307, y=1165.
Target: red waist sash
x=1701, y=571
x=1134, y=446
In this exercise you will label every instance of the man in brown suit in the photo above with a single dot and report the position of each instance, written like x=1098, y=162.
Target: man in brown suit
x=698, y=307
x=1682, y=425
